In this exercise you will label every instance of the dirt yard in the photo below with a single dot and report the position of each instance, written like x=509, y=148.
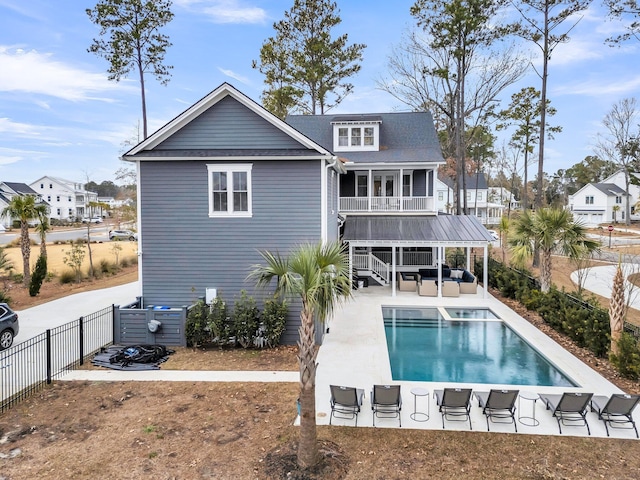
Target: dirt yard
x=122, y=430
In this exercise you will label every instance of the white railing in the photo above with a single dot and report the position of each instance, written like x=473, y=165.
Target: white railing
x=387, y=204
x=361, y=261
x=380, y=268
x=408, y=258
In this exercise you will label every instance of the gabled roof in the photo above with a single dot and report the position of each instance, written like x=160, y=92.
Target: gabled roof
x=151, y=147
x=21, y=188
x=610, y=189
x=473, y=181
x=404, y=136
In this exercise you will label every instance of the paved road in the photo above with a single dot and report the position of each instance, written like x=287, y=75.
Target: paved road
x=36, y=320
x=600, y=280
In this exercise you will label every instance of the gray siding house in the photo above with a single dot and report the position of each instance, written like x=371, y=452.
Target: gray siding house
x=222, y=181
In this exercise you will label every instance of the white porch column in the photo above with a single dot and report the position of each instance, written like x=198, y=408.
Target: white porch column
x=440, y=261
x=370, y=190
x=469, y=258
x=350, y=267
x=485, y=271
x=393, y=271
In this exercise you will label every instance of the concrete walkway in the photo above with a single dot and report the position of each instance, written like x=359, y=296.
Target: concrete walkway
x=182, y=376
x=600, y=281
x=36, y=320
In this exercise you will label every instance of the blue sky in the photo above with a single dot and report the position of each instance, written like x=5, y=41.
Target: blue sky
x=59, y=115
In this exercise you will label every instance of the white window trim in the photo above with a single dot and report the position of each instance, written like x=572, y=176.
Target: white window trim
x=229, y=169
x=357, y=148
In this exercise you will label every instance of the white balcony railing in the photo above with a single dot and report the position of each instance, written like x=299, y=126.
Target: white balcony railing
x=387, y=204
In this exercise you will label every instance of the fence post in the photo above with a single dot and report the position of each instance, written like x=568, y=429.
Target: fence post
x=81, y=338
x=48, y=353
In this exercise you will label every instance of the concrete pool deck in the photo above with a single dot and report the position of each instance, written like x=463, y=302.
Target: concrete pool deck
x=354, y=353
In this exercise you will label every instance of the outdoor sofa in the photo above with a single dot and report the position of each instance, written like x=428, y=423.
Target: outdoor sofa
x=455, y=281
x=407, y=281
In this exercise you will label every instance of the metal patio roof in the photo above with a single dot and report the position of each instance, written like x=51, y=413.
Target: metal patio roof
x=398, y=230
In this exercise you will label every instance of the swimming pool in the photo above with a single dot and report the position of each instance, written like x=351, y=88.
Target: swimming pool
x=424, y=345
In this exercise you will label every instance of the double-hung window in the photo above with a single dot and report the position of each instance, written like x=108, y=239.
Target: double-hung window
x=229, y=190
x=589, y=200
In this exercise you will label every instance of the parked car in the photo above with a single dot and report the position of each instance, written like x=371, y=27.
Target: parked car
x=122, y=235
x=8, y=326
x=494, y=234
x=92, y=220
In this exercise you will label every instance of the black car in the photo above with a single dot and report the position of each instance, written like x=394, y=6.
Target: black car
x=8, y=326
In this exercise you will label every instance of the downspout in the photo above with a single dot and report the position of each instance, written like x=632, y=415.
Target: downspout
x=324, y=214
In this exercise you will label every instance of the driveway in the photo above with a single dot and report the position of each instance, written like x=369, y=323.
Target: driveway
x=600, y=280
x=36, y=320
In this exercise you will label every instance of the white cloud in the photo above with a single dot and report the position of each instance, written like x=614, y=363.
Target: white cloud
x=5, y=160
x=235, y=76
x=21, y=129
x=601, y=87
x=225, y=11
x=35, y=72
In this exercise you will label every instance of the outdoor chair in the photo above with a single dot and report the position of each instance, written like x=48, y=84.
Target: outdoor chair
x=345, y=402
x=616, y=410
x=386, y=402
x=454, y=403
x=498, y=405
x=427, y=288
x=569, y=408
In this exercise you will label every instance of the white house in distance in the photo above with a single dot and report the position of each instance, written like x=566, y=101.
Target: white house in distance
x=69, y=201
x=597, y=203
x=8, y=190
x=605, y=202
x=479, y=202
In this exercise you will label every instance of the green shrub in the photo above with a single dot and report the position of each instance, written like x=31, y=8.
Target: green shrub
x=16, y=277
x=274, y=318
x=628, y=360
x=218, y=322
x=39, y=274
x=246, y=318
x=4, y=297
x=197, y=330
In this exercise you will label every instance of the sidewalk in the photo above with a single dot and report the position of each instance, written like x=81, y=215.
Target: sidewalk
x=600, y=280
x=36, y=320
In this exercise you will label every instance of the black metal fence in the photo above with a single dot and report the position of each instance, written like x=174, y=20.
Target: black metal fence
x=27, y=367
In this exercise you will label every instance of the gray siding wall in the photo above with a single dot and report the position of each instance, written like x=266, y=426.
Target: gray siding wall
x=228, y=124
x=130, y=326
x=184, y=251
x=332, y=204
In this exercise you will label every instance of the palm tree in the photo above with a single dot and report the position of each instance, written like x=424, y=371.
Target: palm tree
x=24, y=208
x=549, y=231
x=503, y=228
x=42, y=228
x=319, y=276
x=617, y=310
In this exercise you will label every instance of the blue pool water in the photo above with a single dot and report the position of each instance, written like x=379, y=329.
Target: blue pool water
x=424, y=346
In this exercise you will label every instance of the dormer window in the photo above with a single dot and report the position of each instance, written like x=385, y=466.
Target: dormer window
x=356, y=133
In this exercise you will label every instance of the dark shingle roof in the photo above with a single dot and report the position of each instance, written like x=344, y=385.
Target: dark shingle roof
x=404, y=136
x=610, y=189
x=21, y=188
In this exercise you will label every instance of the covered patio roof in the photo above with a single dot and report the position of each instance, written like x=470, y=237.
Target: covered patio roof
x=400, y=230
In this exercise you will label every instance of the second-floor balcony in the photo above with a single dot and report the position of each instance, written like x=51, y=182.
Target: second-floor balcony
x=387, y=204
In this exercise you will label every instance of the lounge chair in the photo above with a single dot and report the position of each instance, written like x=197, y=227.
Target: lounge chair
x=453, y=403
x=345, y=402
x=617, y=409
x=386, y=402
x=498, y=405
x=569, y=408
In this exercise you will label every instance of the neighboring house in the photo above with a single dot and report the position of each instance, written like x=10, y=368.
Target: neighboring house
x=69, y=200
x=597, y=203
x=8, y=190
x=479, y=203
x=504, y=197
x=226, y=179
